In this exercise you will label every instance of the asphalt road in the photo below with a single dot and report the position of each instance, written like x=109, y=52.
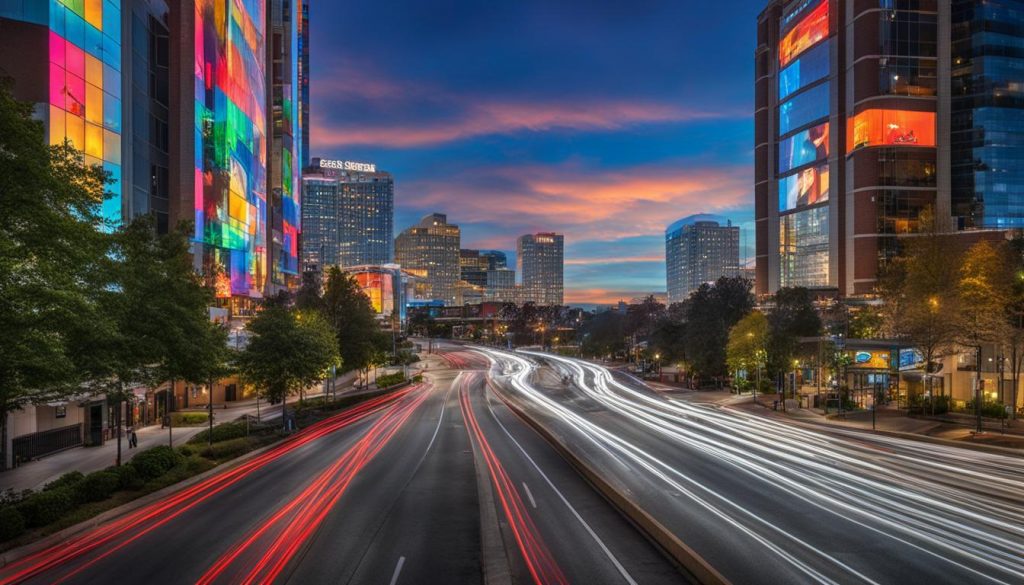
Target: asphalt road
x=764, y=501
x=386, y=492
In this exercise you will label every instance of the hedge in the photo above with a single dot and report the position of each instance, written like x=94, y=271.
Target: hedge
x=128, y=477
x=12, y=523
x=41, y=508
x=97, y=486
x=221, y=432
x=390, y=379
x=153, y=462
x=68, y=479
x=184, y=419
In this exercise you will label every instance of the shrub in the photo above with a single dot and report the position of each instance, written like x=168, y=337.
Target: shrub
x=45, y=507
x=185, y=451
x=97, y=486
x=128, y=477
x=68, y=479
x=226, y=449
x=390, y=379
x=221, y=432
x=12, y=523
x=185, y=419
x=154, y=462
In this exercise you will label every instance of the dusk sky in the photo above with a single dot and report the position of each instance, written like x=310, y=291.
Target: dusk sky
x=605, y=121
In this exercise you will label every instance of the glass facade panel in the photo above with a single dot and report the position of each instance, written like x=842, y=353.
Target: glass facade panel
x=803, y=248
x=806, y=107
x=808, y=31
x=804, y=147
x=810, y=67
x=890, y=127
x=803, y=188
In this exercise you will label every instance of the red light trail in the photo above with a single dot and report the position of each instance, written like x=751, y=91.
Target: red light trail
x=538, y=558
x=152, y=516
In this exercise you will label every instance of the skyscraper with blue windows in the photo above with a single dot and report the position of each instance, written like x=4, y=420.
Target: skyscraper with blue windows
x=988, y=113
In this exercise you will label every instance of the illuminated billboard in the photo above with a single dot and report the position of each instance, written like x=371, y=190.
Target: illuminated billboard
x=810, y=67
x=804, y=147
x=869, y=360
x=230, y=143
x=379, y=285
x=85, y=87
x=807, y=107
x=807, y=32
x=803, y=188
x=890, y=128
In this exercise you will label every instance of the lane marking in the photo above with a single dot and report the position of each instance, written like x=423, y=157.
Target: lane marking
x=398, y=570
x=533, y=502
x=600, y=543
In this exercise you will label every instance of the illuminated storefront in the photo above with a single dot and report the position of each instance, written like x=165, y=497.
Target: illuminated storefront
x=85, y=86
x=230, y=143
x=890, y=128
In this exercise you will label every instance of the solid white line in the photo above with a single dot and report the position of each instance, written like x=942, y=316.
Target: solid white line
x=533, y=502
x=600, y=543
x=398, y=569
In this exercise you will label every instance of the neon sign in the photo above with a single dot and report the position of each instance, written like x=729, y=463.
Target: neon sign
x=347, y=165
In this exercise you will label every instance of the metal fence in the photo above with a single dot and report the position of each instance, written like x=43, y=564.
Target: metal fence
x=28, y=447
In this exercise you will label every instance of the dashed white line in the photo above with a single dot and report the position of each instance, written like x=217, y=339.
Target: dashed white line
x=529, y=495
x=398, y=570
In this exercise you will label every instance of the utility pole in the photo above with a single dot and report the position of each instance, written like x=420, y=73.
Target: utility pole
x=209, y=404
x=978, y=394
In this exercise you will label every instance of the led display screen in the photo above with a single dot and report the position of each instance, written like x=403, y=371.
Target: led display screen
x=810, y=67
x=804, y=147
x=890, y=128
x=869, y=360
x=807, y=107
x=230, y=136
x=806, y=187
x=379, y=286
x=803, y=248
x=811, y=29
x=85, y=87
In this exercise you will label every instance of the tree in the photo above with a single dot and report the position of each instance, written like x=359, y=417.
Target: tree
x=748, y=340
x=711, y=311
x=983, y=288
x=348, y=311
x=288, y=350
x=919, y=289
x=603, y=334
x=1015, y=317
x=792, y=317
x=51, y=246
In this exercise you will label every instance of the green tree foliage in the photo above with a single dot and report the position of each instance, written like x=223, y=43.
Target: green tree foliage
x=51, y=251
x=288, y=350
x=748, y=342
x=351, y=316
x=1015, y=317
x=711, y=312
x=604, y=334
x=984, y=289
x=793, y=316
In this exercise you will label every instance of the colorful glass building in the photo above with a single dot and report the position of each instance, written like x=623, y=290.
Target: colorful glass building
x=80, y=98
x=230, y=126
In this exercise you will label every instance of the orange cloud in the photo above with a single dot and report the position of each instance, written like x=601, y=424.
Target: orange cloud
x=601, y=296
x=623, y=260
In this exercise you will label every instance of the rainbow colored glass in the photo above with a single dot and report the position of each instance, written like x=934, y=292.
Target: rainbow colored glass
x=230, y=135
x=85, y=85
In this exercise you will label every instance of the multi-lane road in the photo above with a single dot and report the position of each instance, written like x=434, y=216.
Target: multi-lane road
x=444, y=482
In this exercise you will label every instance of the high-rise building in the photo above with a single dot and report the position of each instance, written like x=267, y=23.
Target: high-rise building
x=500, y=285
x=853, y=124
x=473, y=267
x=285, y=138
x=304, y=73
x=699, y=249
x=219, y=140
x=539, y=261
x=347, y=214
x=987, y=113
x=496, y=259
x=431, y=249
x=66, y=57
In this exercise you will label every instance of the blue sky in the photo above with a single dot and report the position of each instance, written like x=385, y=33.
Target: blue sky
x=605, y=121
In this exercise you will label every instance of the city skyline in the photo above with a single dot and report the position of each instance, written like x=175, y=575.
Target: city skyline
x=610, y=165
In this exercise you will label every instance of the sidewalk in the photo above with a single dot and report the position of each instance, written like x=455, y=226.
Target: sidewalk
x=36, y=474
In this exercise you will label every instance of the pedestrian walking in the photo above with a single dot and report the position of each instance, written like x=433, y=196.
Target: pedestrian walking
x=133, y=439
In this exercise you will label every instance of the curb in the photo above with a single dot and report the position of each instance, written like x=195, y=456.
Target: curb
x=494, y=561
x=992, y=449
x=699, y=569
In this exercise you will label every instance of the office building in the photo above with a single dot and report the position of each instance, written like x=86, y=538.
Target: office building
x=430, y=249
x=473, y=267
x=987, y=113
x=699, y=249
x=347, y=214
x=285, y=118
x=539, y=261
x=66, y=58
x=304, y=73
x=868, y=114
